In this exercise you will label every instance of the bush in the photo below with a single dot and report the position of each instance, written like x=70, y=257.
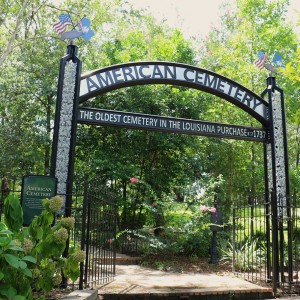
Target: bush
x=196, y=243
x=15, y=267
x=31, y=257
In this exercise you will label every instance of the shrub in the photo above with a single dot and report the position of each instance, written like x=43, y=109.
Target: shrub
x=34, y=254
x=15, y=267
x=195, y=243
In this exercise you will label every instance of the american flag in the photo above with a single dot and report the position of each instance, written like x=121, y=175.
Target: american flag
x=64, y=21
x=260, y=61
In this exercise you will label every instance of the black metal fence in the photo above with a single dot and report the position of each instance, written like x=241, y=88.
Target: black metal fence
x=251, y=239
x=295, y=218
x=266, y=241
x=265, y=237
x=98, y=235
x=287, y=252
x=94, y=208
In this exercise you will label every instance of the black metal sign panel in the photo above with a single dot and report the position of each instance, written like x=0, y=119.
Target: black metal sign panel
x=168, y=124
x=139, y=73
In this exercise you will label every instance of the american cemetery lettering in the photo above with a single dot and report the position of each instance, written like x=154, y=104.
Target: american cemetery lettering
x=119, y=76
x=168, y=124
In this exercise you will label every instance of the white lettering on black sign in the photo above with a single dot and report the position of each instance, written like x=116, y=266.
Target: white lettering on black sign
x=129, y=74
x=175, y=125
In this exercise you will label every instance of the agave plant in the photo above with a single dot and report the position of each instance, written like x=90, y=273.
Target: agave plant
x=247, y=256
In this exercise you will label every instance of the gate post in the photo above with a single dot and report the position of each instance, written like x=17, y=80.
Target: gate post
x=277, y=157
x=84, y=245
x=63, y=145
x=268, y=183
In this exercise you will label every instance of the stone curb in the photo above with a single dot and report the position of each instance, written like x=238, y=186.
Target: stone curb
x=82, y=295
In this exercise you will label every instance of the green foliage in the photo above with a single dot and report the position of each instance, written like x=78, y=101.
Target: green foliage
x=245, y=29
x=49, y=244
x=13, y=213
x=15, y=267
x=172, y=168
x=34, y=254
x=196, y=243
x=248, y=256
x=172, y=226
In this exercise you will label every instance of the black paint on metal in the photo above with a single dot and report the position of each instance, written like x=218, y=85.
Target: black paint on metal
x=71, y=55
x=179, y=82
x=268, y=217
x=98, y=235
x=275, y=249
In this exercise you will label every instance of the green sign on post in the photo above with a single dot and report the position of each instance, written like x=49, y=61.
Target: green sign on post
x=35, y=188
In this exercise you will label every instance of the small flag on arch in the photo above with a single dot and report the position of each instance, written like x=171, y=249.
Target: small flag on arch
x=260, y=61
x=64, y=21
x=84, y=27
x=277, y=60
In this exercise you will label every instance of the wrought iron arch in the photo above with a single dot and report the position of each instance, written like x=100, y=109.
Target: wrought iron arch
x=141, y=73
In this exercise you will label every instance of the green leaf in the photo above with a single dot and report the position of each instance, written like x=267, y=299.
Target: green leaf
x=5, y=231
x=45, y=282
x=15, y=248
x=13, y=213
x=22, y=264
x=29, y=258
x=9, y=292
x=74, y=274
x=18, y=297
x=1, y=275
x=39, y=233
x=26, y=272
x=4, y=241
x=12, y=260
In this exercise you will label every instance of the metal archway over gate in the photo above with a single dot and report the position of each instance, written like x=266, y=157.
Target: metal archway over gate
x=74, y=89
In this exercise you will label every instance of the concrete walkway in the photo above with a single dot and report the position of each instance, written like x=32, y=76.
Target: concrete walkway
x=136, y=282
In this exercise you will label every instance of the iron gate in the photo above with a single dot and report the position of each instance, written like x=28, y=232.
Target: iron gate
x=251, y=247
x=98, y=234
x=265, y=244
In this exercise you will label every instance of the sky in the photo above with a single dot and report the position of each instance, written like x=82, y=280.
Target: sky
x=194, y=17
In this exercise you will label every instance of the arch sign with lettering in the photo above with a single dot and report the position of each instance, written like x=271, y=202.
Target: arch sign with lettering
x=125, y=75
x=74, y=89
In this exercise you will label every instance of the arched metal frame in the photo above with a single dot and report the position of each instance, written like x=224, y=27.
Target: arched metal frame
x=75, y=88
x=141, y=73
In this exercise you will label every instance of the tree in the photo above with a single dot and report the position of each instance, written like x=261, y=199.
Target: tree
x=247, y=28
x=122, y=34
x=290, y=72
